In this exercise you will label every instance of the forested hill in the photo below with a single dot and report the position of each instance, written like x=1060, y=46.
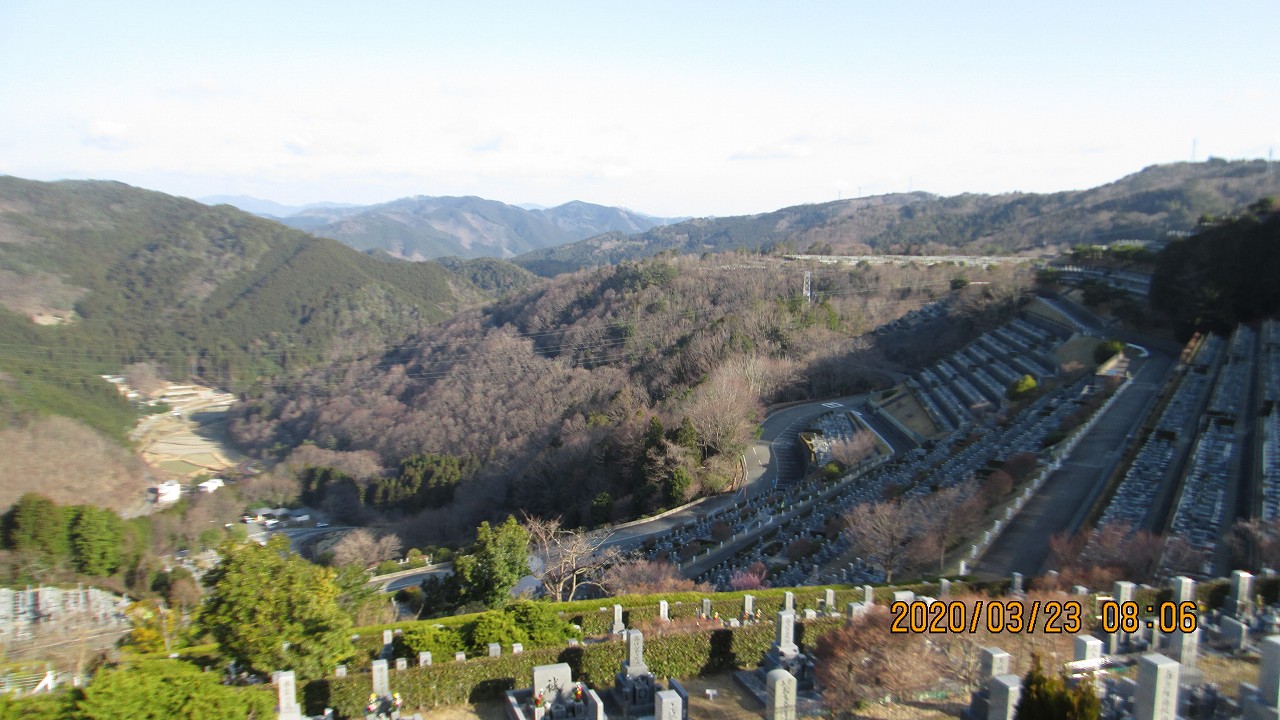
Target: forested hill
x=429, y=227
x=1144, y=205
x=599, y=395
x=95, y=275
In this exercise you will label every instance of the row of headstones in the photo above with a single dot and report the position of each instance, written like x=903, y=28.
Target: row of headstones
x=1154, y=698
x=48, y=603
x=1155, y=695
x=828, y=605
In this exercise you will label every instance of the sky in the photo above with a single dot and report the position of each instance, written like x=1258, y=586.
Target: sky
x=668, y=108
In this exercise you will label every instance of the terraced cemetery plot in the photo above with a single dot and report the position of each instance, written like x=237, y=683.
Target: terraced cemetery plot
x=908, y=410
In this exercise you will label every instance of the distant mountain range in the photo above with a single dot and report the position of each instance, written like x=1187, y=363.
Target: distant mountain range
x=422, y=227
x=1145, y=205
x=266, y=208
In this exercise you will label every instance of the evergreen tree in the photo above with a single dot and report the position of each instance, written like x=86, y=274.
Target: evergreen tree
x=498, y=559
x=36, y=526
x=1046, y=697
x=96, y=535
x=687, y=435
x=271, y=610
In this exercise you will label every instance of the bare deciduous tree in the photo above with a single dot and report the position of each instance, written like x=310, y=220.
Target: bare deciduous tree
x=950, y=515
x=644, y=577
x=854, y=450
x=863, y=662
x=360, y=547
x=145, y=377
x=1256, y=543
x=566, y=560
x=891, y=535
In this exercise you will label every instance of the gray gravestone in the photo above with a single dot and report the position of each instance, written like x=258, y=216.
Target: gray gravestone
x=381, y=684
x=1003, y=692
x=788, y=600
x=1124, y=591
x=495, y=649
x=678, y=689
x=1269, y=672
x=810, y=614
x=1079, y=590
x=388, y=644
x=517, y=648
x=785, y=634
x=1185, y=648
x=829, y=600
x=944, y=588
x=617, y=620
x=287, y=697
x=1239, y=601
x=634, y=664
x=706, y=607
x=424, y=658
x=667, y=706
x=402, y=663
x=340, y=671
x=1087, y=647
x=780, y=693
x=1233, y=632
x=748, y=605
x=459, y=656
x=1015, y=586
x=594, y=706
x=1157, y=694
x=905, y=596
x=993, y=661
x=868, y=595
x=1184, y=589
x=663, y=611
x=855, y=610
x=550, y=680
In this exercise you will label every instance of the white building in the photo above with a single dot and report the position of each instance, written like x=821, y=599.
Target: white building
x=169, y=491
x=210, y=485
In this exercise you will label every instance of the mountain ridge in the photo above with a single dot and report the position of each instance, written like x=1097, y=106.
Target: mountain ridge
x=1145, y=205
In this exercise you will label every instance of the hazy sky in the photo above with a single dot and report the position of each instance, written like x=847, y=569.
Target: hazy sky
x=677, y=108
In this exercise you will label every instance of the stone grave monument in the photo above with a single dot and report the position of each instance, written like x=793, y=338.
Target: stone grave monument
x=780, y=702
x=554, y=696
x=287, y=697
x=634, y=685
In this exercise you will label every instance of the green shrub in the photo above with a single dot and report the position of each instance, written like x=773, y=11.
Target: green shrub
x=495, y=627
x=441, y=642
x=540, y=622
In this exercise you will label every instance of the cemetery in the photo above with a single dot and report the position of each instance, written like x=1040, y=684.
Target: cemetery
x=765, y=639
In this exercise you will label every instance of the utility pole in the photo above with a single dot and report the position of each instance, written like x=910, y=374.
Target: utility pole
x=808, y=286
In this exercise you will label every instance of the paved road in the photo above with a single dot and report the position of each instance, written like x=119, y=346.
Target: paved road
x=1024, y=545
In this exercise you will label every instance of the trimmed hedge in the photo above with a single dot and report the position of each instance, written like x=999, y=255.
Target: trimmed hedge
x=479, y=679
x=639, y=608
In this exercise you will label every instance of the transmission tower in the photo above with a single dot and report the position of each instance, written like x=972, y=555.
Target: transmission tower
x=808, y=286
